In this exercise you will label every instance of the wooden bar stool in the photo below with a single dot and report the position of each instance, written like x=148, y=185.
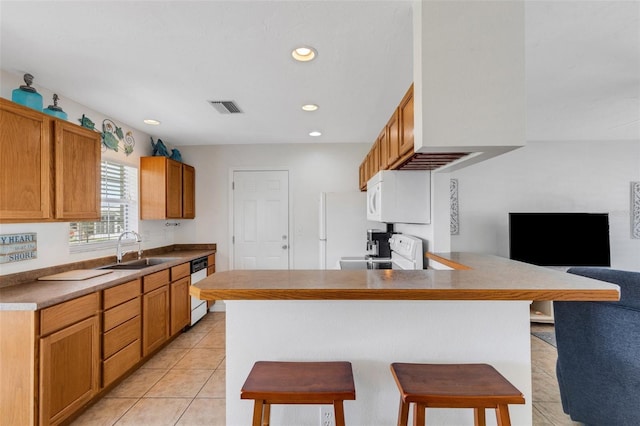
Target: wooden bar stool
x=477, y=386
x=271, y=382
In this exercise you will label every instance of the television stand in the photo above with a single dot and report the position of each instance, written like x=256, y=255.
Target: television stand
x=541, y=311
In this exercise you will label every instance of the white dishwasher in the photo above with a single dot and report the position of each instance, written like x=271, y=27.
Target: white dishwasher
x=198, y=273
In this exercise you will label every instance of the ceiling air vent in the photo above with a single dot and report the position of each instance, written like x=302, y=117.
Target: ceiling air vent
x=225, y=107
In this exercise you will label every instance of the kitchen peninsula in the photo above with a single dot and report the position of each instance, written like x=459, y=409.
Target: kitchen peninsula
x=375, y=317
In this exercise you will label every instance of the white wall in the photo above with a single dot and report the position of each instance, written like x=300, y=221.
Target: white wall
x=53, y=247
x=313, y=168
x=580, y=176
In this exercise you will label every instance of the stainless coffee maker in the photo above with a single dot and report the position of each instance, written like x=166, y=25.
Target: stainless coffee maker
x=378, y=243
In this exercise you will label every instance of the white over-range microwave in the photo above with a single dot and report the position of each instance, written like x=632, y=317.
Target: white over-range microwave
x=399, y=196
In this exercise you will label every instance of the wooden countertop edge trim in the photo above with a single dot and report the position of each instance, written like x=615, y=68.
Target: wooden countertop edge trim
x=404, y=294
x=447, y=262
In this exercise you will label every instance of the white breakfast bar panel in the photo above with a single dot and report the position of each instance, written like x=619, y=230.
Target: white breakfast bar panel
x=372, y=335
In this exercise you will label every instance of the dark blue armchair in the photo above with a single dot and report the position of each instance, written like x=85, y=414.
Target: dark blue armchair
x=598, y=364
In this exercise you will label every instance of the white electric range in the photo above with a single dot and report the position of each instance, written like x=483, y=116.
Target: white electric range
x=406, y=253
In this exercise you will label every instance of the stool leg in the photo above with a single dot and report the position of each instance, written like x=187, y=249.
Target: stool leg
x=266, y=415
x=338, y=412
x=502, y=415
x=403, y=413
x=419, y=414
x=478, y=417
x=257, y=412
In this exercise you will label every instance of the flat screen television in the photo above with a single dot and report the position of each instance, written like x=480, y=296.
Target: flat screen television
x=560, y=239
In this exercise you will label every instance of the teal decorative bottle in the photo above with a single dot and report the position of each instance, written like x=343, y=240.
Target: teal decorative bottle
x=27, y=95
x=54, y=109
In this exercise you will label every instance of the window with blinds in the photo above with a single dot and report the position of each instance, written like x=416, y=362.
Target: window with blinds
x=119, y=212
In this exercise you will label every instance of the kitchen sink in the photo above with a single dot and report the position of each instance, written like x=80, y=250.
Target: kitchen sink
x=140, y=263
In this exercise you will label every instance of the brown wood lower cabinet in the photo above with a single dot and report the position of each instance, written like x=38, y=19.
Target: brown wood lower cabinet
x=121, y=330
x=155, y=319
x=69, y=369
x=180, y=304
x=55, y=361
x=180, y=299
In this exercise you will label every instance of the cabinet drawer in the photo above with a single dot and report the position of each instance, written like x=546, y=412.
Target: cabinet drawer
x=67, y=313
x=121, y=313
x=119, y=294
x=211, y=260
x=211, y=270
x=180, y=271
x=120, y=336
x=119, y=363
x=156, y=280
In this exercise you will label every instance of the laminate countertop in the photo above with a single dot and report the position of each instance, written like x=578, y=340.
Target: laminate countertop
x=34, y=295
x=478, y=277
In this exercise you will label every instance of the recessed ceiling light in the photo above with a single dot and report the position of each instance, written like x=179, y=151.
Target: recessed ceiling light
x=304, y=53
x=315, y=133
x=151, y=121
x=310, y=107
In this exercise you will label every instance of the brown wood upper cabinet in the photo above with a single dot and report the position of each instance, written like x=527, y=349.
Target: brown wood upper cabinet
x=188, y=192
x=405, y=110
x=49, y=168
x=167, y=189
x=394, y=145
x=393, y=135
x=77, y=168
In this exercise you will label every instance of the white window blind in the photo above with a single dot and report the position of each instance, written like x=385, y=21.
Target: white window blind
x=119, y=211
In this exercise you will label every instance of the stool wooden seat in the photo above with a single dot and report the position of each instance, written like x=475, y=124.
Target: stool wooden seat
x=272, y=382
x=477, y=386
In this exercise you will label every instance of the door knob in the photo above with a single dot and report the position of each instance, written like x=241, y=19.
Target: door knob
x=284, y=247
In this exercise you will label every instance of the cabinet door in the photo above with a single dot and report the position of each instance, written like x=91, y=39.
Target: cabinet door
x=188, y=192
x=155, y=319
x=406, y=123
x=174, y=189
x=77, y=170
x=369, y=167
x=180, y=305
x=153, y=190
x=376, y=157
x=383, y=143
x=393, y=138
x=25, y=157
x=69, y=370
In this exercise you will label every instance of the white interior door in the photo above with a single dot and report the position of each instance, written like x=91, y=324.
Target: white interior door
x=261, y=219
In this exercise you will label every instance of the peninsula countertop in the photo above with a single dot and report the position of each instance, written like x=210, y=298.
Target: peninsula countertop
x=480, y=277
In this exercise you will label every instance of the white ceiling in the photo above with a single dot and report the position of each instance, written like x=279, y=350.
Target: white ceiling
x=133, y=60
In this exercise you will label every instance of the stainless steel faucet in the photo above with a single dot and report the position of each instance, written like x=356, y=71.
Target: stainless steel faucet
x=120, y=253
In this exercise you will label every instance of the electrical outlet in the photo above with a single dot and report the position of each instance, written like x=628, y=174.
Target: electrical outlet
x=326, y=415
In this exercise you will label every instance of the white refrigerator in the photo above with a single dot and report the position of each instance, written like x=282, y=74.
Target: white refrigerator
x=343, y=227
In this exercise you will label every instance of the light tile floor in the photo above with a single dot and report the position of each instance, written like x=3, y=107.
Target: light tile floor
x=184, y=384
